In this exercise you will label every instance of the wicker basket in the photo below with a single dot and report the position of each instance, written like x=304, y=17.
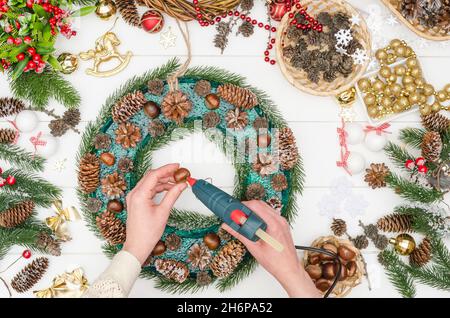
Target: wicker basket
x=298, y=78
x=342, y=287
x=435, y=34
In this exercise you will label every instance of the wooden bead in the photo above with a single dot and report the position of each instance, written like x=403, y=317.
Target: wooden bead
x=212, y=241
x=151, y=109
x=115, y=206
x=264, y=140
x=159, y=249
x=181, y=175
x=345, y=253
x=108, y=158
x=212, y=101
x=314, y=271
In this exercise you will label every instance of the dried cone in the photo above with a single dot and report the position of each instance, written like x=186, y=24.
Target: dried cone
x=89, y=173
x=287, y=149
x=228, y=258
x=10, y=106
x=421, y=254
x=339, y=227
x=395, y=223
x=30, y=275
x=113, y=186
x=236, y=119
x=128, y=135
x=7, y=136
x=16, y=215
x=176, y=106
x=48, y=244
x=111, y=228
x=128, y=106
x=431, y=146
x=199, y=256
x=172, y=269
x=238, y=96
x=129, y=12
x=436, y=122
x=72, y=117
x=376, y=175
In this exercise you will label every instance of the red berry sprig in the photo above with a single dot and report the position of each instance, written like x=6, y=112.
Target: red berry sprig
x=10, y=180
x=417, y=165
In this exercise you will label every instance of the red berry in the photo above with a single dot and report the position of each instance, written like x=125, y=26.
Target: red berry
x=20, y=57
x=31, y=65
x=74, y=33
x=26, y=254
x=1, y=170
x=272, y=62
x=17, y=25
x=420, y=161
x=17, y=41
x=2, y=182
x=422, y=169
x=30, y=3
x=27, y=39
x=10, y=180
x=36, y=58
x=267, y=59
x=31, y=51
x=10, y=40
x=409, y=164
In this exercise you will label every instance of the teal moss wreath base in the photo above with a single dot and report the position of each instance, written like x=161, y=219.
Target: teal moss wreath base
x=191, y=226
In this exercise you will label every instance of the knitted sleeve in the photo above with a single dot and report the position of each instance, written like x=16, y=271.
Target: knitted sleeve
x=118, y=278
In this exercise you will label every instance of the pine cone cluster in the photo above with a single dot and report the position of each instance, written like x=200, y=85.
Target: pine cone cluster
x=114, y=186
x=202, y=88
x=429, y=13
x=255, y=191
x=203, y=278
x=395, y=223
x=128, y=135
x=376, y=175
x=30, y=275
x=129, y=12
x=361, y=242
x=125, y=165
x=199, y=256
x=58, y=127
x=431, y=146
x=436, y=122
x=156, y=128
x=89, y=173
x=172, y=269
x=128, y=106
x=7, y=135
x=111, y=228
x=173, y=242
x=102, y=142
x=72, y=117
x=48, y=244
x=221, y=38
x=238, y=96
x=228, y=258
x=17, y=214
x=287, y=149
x=246, y=29
x=371, y=231
x=236, y=119
x=211, y=120
x=10, y=106
x=176, y=106
x=265, y=166
x=155, y=87
x=338, y=227
x=279, y=182
x=421, y=254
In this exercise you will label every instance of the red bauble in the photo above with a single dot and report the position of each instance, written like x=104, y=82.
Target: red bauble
x=10, y=180
x=278, y=9
x=409, y=164
x=420, y=161
x=422, y=169
x=152, y=21
x=26, y=254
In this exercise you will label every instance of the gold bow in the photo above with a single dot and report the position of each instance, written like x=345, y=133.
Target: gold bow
x=58, y=224
x=67, y=285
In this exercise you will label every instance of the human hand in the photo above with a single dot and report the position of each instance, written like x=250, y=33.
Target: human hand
x=147, y=219
x=284, y=266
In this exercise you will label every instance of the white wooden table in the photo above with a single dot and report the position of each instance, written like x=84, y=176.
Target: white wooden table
x=313, y=119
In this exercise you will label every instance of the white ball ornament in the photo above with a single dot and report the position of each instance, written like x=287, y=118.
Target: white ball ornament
x=26, y=121
x=50, y=147
x=355, y=133
x=356, y=163
x=375, y=142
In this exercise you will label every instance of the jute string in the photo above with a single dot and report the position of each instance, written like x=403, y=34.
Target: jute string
x=172, y=80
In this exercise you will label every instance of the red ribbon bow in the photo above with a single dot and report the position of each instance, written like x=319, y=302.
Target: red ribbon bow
x=379, y=130
x=37, y=142
x=342, y=134
x=16, y=137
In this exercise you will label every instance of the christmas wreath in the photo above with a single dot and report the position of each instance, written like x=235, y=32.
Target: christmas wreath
x=142, y=117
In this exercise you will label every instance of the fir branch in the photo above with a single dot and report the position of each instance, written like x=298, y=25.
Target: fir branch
x=441, y=255
x=244, y=269
x=188, y=220
x=433, y=276
x=188, y=286
x=397, y=274
x=18, y=157
x=412, y=136
x=412, y=191
x=398, y=155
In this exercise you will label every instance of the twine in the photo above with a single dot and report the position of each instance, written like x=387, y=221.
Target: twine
x=172, y=80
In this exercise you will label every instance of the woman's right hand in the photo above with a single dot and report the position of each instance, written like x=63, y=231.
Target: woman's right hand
x=284, y=266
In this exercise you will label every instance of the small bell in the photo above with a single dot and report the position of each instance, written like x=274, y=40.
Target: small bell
x=68, y=62
x=105, y=9
x=404, y=244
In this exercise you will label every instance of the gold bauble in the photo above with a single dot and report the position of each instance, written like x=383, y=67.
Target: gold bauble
x=396, y=89
x=385, y=71
x=442, y=96
x=408, y=51
x=373, y=111
x=400, y=51
x=400, y=70
x=415, y=72
x=403, y=102
x=392, y=78
x=395, y=43
x=420, y=82
x=422, y=99
x=364, y=84
x=68, y=62
x=386, y=101
x=414, y=98
x=391, y=58
x=370, y=99
x=436, y=107
x=381, y=55
x=425, y=110
x=447, y=89
x=105, y=9
x=407, y=79
x=388, y=90
x=410, y=88
x=398, y=108
x=404, y=244
x=378, y=85
x=428, y=89
x=412, y=62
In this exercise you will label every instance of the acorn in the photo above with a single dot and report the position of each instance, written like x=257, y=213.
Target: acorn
x=151, y=109
x=314, y=259
x=159, y=249
x=323, y=285
x=181, y=175
x=314, y=271
x=264, y=140
x=351, y=268
x=212, y=101
x=328, y=270
x=115, y=206
x=212, y=241
x=329, y=247
x=108, y=158
x=345, y=253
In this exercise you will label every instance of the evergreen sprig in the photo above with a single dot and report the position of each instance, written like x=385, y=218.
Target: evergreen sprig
x=397, y=274
x=412, y=136
x=413, y=191
x=398, y=154
x=18, y=157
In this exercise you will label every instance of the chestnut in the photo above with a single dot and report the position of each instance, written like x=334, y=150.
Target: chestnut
x=328, y=270
x=329, y=247
x=314, y=271
x=345, y=253
x=323, y=285
x=351, y=268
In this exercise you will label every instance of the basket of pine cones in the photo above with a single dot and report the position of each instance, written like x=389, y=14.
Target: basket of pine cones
x=429, y=19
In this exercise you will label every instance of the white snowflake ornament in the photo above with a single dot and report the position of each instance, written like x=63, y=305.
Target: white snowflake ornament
x=355, y=19
x=341, y=50
x=360, y=56
x=168, y=39
x=343, y=37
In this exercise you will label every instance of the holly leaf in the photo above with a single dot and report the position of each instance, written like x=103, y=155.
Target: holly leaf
x=46, y=34
x=54, y=63
x=21, y=48
x=83, y=11
x=39, y=10
x=18, y=69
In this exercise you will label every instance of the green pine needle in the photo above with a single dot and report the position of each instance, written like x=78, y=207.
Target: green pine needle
x=18, y=157
x=398, y=155
x=412, y=136
x=412, y=191
x=397, y=274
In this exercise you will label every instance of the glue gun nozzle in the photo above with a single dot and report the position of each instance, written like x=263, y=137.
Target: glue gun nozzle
x=191, y=181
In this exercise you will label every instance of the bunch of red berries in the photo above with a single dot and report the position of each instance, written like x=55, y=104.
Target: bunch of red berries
x=3, y=6
x=35, y=63
x=9, y=180
x=417, y=165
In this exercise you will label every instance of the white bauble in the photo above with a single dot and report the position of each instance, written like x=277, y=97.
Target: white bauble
x=375, y=142
x=355, y=133
x=356, y=163
x=50, y=147
x=27, y=121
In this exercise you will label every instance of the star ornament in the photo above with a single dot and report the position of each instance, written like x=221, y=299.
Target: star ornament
x=168, y=39
x=355, y=19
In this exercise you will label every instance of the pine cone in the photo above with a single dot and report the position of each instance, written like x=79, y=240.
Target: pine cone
x=173, y=242
x=376, y=175
x=361, y=242
x=89, y=173
x=128, y=106
x=113, y=186
x=287, y=149
x=93, y=205
x=221, y=38
x=371, y=230
x=436, y=122
x=395, y=223
x=431, y=146
x=156, y=87
x=246, y=29
x=279, y=182
x=255, y=191
x=275, y=203
x=17, y=214
x=199, y=256
x=176, y=106
x=30, y=275
x=102, y=142
x=238, y=96
x=236, y=119
x=421, y=254
x=129, y=12
x=58, y=127
x=247, y=5
x=380, y=241
x=172, y=269
x=211, y=120
x=156, y=128
x=408, y=9
x=10, y=106
x=338, y=227
x=228, y=258
x=48, y=244
x=111, y=228
x=125, y=165
x=72, y=117
x=260, y=123
x=203, y=278
x=202, y=88
x=128, y=135
x=266, y=165
x=7, y=135
x=224, y=235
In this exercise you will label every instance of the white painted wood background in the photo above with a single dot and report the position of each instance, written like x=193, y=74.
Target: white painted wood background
x=313, y=119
